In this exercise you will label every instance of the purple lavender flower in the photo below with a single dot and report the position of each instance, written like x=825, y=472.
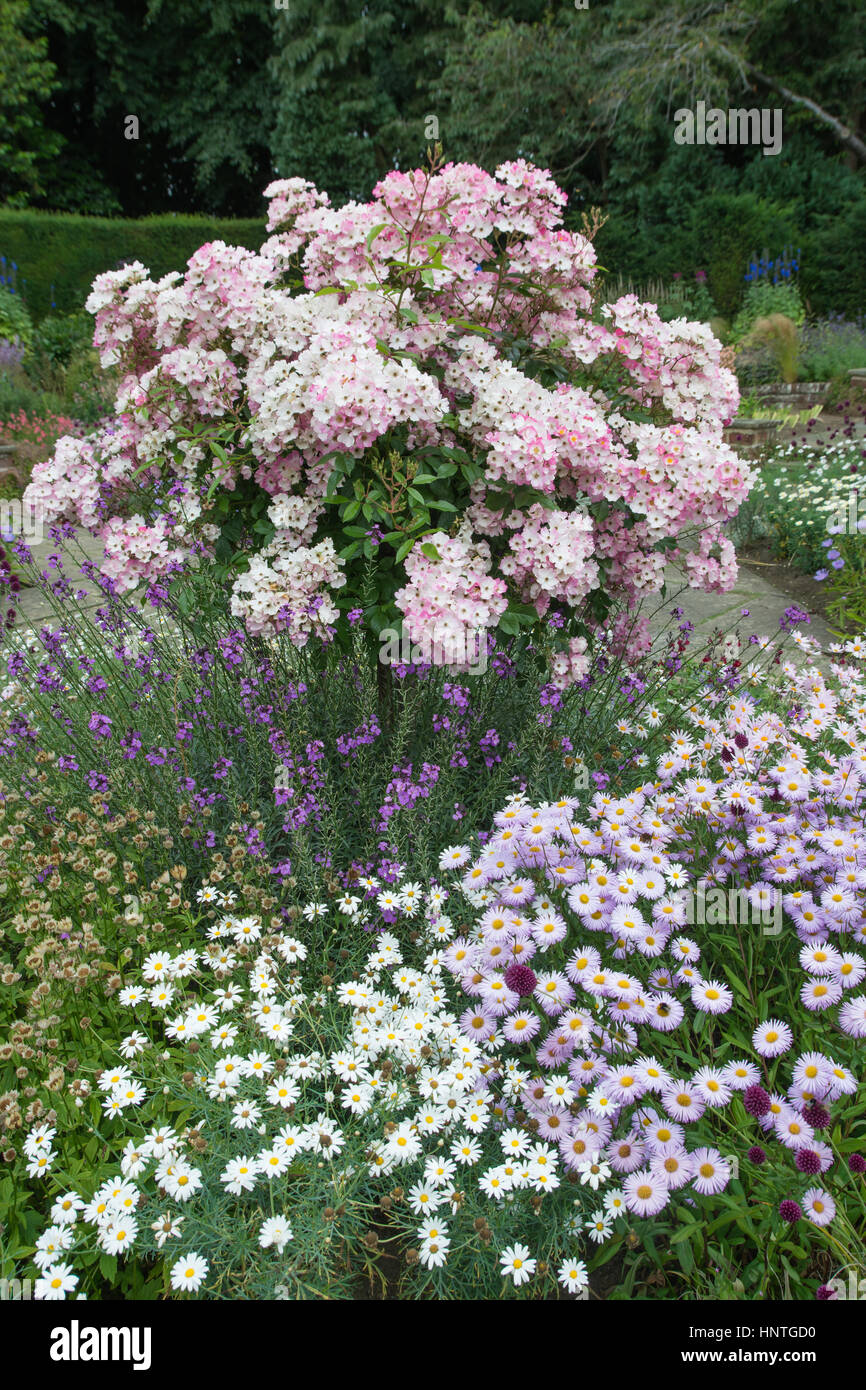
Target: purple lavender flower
x=792, y=616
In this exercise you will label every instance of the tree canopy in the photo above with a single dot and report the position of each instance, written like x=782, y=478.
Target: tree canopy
x=228, y=96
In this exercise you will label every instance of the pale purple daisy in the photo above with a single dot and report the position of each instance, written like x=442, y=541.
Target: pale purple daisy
x=666, y=1012
x=521, y=1027
x=712, y=1086
x=739, y=1075
x=711, y=1173
x=852, y=1017
x=553, y=992
x=625, y=1155
x=712, y=997
x=682, y=1102
x=812, y=1072
x=674, y=1167
x=818, y=1206
x=646, y=1194
x=772, y=1038
x=792, y=1130
x=851, y=970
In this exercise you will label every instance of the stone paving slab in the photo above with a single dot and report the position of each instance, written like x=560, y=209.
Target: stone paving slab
x=33, y=606
x=765, y=602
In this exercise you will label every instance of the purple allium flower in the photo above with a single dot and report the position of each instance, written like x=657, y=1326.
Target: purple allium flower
x=807, y=1161
x=756, y=1101
x=756, y=1155
x=816, y=1115
x=857, y=1163
x=790, y=1211
x=520, y=979
x=824, y=1293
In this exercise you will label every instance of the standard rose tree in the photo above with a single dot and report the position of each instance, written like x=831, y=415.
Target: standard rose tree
x=415, y=406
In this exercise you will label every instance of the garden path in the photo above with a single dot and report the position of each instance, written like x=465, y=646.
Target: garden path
x=766, y=603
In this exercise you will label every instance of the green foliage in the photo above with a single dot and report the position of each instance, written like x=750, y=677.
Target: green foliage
x=830, y=348
x=727, y=226
x=516, y=84
x=674, y=299
x=791, y=505
x=834, y=267
x=88, y=896
x=15, y=322
x=193, y=75
x=57, y=337
x=18, y=394
x=27, y=78
x=68, y=251
x=349, y=81
x=809, y=512
x=779, y=334
x=669, y=226
x=762, y=300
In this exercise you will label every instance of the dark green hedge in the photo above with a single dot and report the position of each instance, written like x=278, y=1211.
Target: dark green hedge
x=833, y=275
x=66, y=250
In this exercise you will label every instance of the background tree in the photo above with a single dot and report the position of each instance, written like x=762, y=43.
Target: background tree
x=351, y=80
x=27, y=77
x=809, y=58
x=195, y=78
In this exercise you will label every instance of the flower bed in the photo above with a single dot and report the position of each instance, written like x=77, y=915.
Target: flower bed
x=606, y=1021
